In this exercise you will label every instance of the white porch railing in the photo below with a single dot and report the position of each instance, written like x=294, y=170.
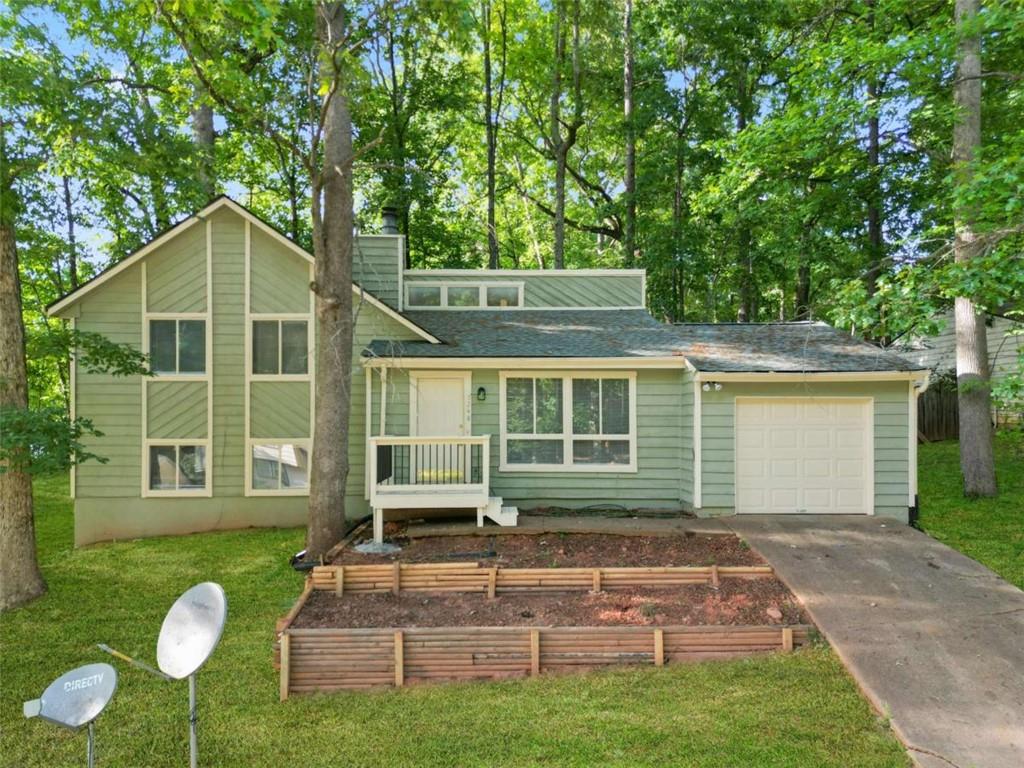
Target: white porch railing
x=428, y=473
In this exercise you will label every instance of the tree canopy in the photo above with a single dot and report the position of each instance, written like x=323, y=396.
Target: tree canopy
x=778, y=159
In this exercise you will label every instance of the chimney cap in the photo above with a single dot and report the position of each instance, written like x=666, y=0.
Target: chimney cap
x=389, y=220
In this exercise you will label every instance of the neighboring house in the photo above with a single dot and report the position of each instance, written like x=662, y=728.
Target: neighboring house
x=938, y=353
x=471, y=389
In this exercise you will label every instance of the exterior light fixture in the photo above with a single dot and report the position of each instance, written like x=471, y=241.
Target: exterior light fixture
x=718, y=387
x=481, y=394
x=706, y=387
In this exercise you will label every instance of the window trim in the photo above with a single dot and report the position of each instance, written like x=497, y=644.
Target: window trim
x=178, y=317
x=178, y=493
x=567, y=436
x=480, y=285
x=303, y=442
x=280, y=317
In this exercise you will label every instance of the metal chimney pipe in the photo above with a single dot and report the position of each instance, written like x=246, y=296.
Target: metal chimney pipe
x=389, y=220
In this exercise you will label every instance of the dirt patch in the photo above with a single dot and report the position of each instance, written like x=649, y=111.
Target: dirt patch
x=566, y=550
x=735, y=602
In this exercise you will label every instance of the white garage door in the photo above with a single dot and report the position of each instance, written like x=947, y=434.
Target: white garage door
x=804, y=455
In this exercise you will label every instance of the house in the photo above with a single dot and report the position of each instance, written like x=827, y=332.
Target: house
x=937, y=353
x=479, y=390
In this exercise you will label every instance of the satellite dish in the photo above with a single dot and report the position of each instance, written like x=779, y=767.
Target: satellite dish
x=76, y=698
x=191, y=630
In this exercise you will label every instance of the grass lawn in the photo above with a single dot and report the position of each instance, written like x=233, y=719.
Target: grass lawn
x=989, y=530
x=800, y=709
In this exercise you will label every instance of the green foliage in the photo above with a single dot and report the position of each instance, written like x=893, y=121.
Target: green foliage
x=43, y=440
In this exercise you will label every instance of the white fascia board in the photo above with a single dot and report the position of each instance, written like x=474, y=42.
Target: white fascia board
x=535, y=363
x=739, y=376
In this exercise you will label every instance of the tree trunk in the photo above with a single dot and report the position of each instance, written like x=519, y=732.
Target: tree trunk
x=203, y=137
x=557, y=142
x=492, y=135
x=20, y=578
x=69, y=212
x=977, y=462
x=744, y=255
x=629, y=182
x=876, y=246
x=332, y=244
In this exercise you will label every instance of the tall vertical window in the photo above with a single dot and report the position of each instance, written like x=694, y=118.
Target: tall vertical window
x=177, y=346
x=568, y=421
x=280, y=347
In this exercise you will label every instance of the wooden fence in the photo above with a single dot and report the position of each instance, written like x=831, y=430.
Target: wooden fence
x=938, y=415
x=336, y=659
x=472, y=577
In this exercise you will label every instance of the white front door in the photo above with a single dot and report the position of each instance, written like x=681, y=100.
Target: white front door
x=804, y=455
x=440, y=407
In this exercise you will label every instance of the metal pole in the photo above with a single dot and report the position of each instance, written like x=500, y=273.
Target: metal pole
x=91, y=750
x=193, y=720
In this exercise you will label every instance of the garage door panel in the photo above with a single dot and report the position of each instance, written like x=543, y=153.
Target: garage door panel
x=783, y=439
x=780, y=468
x=803, y=455
x=784, y=498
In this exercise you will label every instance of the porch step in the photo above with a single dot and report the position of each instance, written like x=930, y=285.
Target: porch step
x=502, y=515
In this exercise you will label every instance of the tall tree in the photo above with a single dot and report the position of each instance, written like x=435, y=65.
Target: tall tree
x=20, y=578
x=977, y=462
x=563, y=130
x=492, y=115
x=629, y=170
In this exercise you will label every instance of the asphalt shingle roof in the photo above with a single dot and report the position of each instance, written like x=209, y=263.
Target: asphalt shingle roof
x=633, y=333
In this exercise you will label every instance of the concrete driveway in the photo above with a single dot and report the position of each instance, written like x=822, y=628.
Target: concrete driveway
x=934, y=639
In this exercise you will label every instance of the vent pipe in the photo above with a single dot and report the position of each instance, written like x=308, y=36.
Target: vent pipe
x=389, y=220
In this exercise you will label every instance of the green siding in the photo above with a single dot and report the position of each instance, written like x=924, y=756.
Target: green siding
x=890, y=438
x=176, y=409
x=113, y=403
x=376, y=261
x=228, y=355
x=686, y=446
x=176, y=273
x=563, y=290
x=280, y=409
x=279, y=277
x=656, y=484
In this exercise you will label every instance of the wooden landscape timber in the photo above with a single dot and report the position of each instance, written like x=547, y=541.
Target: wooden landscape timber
x=472, y=577
x=328, y=659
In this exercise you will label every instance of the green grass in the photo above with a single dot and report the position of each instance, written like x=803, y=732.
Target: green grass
x=800, y=709
x=989, y=530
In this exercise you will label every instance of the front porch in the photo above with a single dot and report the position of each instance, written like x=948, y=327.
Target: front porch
x=439, y=472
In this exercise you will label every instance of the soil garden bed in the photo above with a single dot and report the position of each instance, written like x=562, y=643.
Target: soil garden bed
x=567, y=550
x=479, y=607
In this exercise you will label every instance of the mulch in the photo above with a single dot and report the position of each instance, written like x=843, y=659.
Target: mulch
x=567, y=550
x=763, y=601
x=735, y=602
